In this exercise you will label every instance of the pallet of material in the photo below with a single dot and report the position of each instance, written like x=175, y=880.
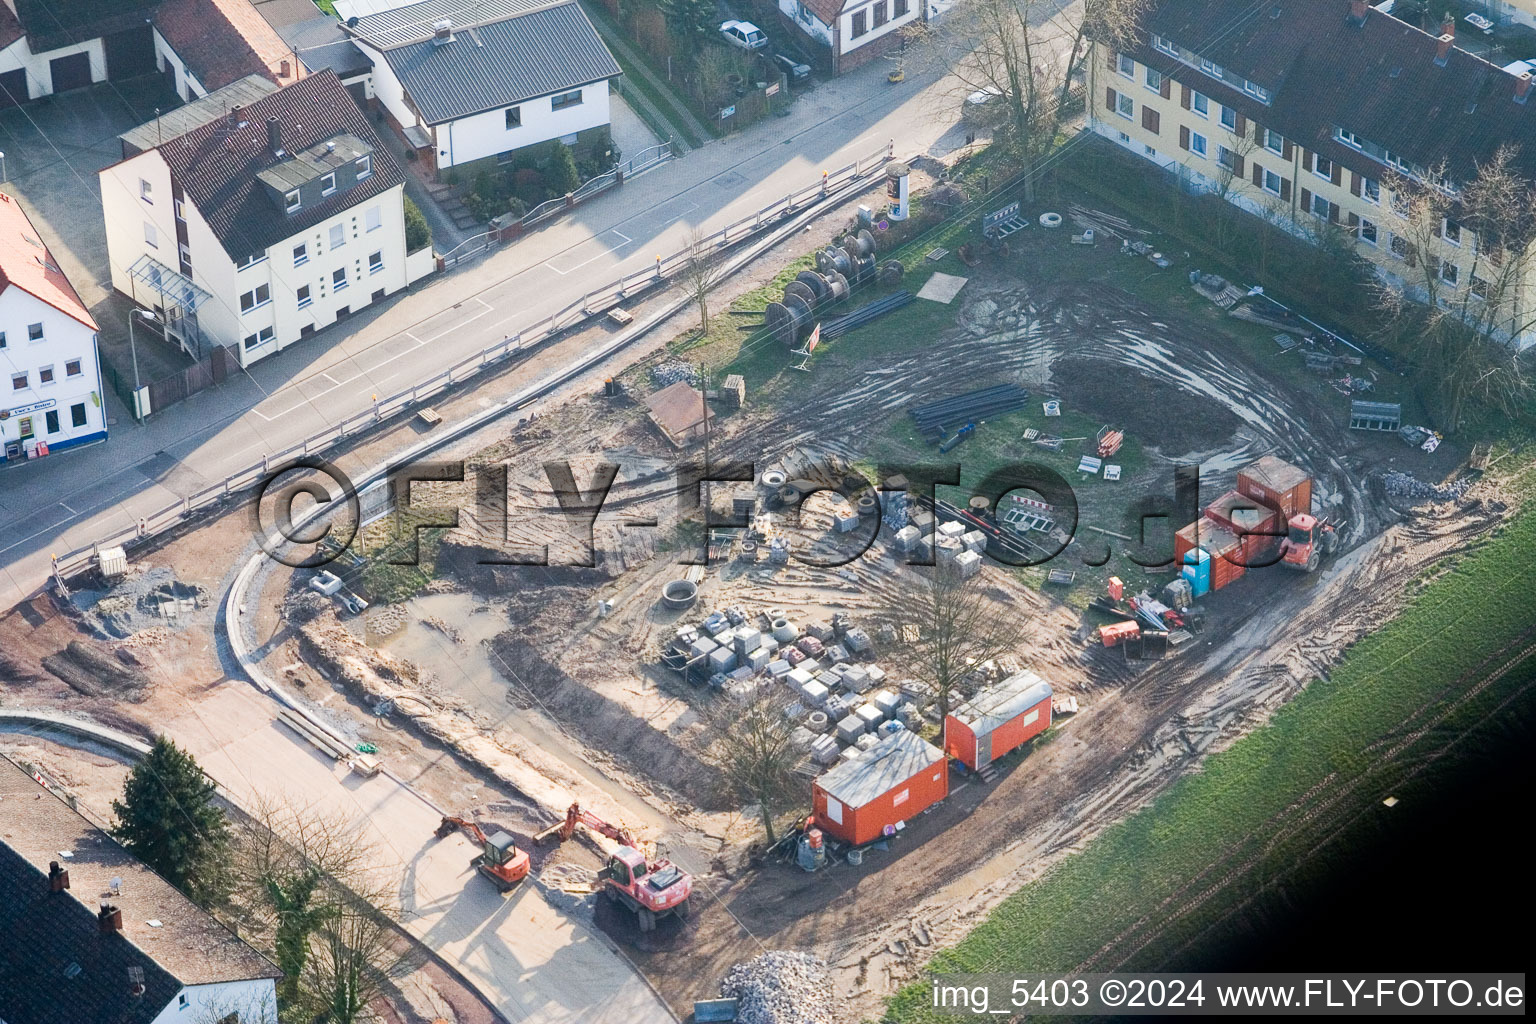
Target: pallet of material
x=318, y=737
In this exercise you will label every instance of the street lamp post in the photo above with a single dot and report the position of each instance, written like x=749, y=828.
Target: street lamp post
x=134, y=348
x=2, y=165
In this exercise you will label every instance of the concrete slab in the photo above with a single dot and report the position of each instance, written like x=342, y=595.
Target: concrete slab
x=942, y=288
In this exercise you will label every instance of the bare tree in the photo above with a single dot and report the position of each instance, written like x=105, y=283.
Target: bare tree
x=754, y=753
x=702, y=270
x=958, y=628
x=1229, y=178
x=1027, y=54
x=1460, y=301
x=308, y=886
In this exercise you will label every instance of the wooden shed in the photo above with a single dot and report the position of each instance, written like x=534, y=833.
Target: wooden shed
x=679, y=410
x=998, y=719
x=1277, y=484
x=900, y=776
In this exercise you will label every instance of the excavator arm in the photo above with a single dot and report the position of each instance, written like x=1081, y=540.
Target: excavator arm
x=577, y=815
x=450, y=824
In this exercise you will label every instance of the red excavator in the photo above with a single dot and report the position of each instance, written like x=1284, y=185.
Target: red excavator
x=499, y=858
x=1308, y=540
x=651, y=889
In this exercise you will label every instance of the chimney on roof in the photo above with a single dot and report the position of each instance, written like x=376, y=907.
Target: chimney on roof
x=1443, y=51
x=1448, y=25
x=109, y=919
x=234, y=115
x=442, y=32
x=282, y=69
x=1357, y=12
x=275, y=136
x=1522, y=87
x=58, y=878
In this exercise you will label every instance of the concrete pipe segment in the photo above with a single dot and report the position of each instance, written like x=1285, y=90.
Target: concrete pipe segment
x=679, y=594
x=1050, y=220
x=784, y=631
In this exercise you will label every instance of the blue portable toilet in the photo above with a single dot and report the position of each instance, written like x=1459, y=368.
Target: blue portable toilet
x=1197, y=569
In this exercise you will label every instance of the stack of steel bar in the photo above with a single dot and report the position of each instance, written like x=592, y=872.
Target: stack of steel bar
x=865, y=314
x=932, y=419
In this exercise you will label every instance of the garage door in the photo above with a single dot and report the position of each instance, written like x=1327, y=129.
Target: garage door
x=13, y=88
x=130, y=54
x=72, y=72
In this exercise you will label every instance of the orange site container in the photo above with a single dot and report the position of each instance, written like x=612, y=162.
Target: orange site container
x=1276, y=483
x=1260, y=528
x=1228, y=559
x=897, y=778
x=998, y=719
x=1115, y=632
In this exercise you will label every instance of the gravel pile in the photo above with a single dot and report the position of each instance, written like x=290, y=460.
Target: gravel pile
x=1401, y=485
x=781, y=988
x=670, y=373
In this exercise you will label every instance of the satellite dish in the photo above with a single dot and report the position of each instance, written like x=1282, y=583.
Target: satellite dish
x=115, y=885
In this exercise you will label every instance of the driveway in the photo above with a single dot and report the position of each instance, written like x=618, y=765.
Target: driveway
x=53, y=149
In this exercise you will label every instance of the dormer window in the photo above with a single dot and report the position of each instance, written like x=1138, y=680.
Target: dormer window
x=364, y=166
x=291, y=201
x=327, y=184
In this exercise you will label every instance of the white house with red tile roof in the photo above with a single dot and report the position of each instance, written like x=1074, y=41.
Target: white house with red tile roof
x=50, y=380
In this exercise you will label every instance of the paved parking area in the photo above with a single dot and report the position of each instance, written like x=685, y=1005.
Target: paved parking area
x=53, y=148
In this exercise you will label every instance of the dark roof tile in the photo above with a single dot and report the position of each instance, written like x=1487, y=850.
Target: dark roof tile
x=218, y=167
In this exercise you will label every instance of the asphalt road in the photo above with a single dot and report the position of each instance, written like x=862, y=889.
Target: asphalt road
x=58, y=504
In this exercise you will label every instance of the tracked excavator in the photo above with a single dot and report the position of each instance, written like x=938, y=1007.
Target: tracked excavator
x=499, y=858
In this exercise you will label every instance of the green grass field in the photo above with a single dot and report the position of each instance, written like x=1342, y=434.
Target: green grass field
x=1239, y=810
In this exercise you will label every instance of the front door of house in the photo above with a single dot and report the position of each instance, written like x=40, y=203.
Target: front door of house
x=983, y=750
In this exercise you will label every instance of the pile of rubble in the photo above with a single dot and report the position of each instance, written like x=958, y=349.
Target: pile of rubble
x=1402, y=485
x=781, y=988
x=664, y=374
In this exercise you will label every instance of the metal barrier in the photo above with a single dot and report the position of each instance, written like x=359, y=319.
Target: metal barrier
x=590, y=305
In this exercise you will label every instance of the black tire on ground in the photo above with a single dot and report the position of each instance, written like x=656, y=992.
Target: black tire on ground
x=646, y=918
x=683, y=909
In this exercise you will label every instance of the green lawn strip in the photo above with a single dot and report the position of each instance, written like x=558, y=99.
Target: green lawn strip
x=1236, y=801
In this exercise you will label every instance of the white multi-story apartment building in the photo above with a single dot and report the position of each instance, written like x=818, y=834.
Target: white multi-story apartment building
x=51, y=398
x=259, y=225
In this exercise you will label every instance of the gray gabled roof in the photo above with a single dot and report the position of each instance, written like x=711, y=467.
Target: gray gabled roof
x=883, y=767
x=502, y=52
x=1002, y=703
x=173, y=124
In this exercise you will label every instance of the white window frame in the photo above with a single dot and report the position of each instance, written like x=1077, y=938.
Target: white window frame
x=1450, y=273
x=35, y=332
x=1392, y=242
x=1125, y=64
x=338, y=231
x=1317, y=161
x=1446, y=223
x=1198, y=145
x=151, y=235
x=1369, y=225
x=1211, y=68
x=292, y=201
x=1257, y=91
x=564, y=102
x=303, y=296
x=364, y=165
x=1225, y=110
x=1226, y=158
x=146, y=191
x=373, y=218
x=1270, y=135
x=1125, y=106
x=301, y=254
x=257, y=299
x=79, y=368
x=1166, y=45
x=1370, y=190
x=260, y=338
x=1200, y=103
x=1268, y=174
x=1153, y=79
x=1479, y=293
x=514, y=118
x=375, y=262
x=20, y=381
x=1349, y=138
x=328, y=183
x=1320, y=201
x=46, y=376
x=181, y=210
x=341, y=285
x=1149, y=151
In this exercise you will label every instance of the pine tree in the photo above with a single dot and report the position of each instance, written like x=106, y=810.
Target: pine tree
x=168, y=819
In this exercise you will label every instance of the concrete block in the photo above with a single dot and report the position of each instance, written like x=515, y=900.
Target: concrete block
x=887, y=701
x=856, y=679
x=825, y=750
x=758, y=659
x=722, y=659
x=838, y=706
x=702, y=647
x=851, y=728
x=907, y=538
x=975, y=541
x=948, y=549
x=952, y=529
x=969, y=564
x=870, y=715
x=814, y=694
x=797, y=677
x=778, y=669
x=802, y=738
x=876, y=674
x=850, y=753
x=867, y=741
x=838, y=653
x=747, y=640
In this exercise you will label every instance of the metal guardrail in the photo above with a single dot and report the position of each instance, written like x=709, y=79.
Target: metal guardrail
x=592, y=304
